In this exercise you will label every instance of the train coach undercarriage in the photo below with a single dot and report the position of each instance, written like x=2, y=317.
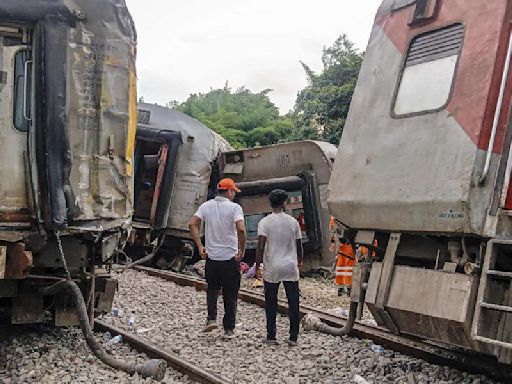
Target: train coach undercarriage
x=454, y=290
x=25, y=277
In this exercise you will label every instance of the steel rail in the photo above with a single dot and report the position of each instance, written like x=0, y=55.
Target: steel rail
x=194, y=372
x=430, y=352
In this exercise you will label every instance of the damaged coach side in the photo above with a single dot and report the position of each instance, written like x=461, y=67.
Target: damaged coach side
x=67, y=130
x=175, y=166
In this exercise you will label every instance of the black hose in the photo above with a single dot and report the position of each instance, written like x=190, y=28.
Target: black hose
x=154, y=368
x=311, y=322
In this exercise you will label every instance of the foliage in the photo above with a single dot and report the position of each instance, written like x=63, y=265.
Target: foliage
x=244, y=118
x=248, y=119
x=322, y=107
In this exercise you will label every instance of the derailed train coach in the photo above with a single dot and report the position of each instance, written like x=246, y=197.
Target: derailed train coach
x=303, y=169
x=67, y=130
x=424, y=169
x=175, y=172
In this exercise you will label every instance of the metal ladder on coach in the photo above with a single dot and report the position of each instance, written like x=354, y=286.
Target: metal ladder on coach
x=482, y=322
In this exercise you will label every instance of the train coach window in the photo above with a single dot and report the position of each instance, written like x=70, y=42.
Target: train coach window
x=21, y=105
x=429, y=71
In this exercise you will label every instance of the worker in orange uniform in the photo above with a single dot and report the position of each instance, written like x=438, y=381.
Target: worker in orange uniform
x=344, y=266
x=345, y=260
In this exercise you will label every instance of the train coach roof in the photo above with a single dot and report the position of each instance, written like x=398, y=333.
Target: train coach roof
x=110, y=14
x=158, y=117
x=201, y=147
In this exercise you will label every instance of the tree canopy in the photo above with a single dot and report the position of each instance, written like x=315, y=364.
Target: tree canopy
x=244, y=118
x=248, y=119
x=322, y=107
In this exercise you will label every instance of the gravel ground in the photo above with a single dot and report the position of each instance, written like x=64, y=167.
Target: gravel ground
x=316, y=291
x=173, y=317
x=40, y=354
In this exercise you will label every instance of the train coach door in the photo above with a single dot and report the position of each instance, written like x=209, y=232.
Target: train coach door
x=15, y=112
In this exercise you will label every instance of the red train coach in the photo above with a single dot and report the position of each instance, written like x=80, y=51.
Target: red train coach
x=423, y=168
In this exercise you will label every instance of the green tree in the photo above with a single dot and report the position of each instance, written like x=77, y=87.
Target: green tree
x=244, y=118
x=322, y=107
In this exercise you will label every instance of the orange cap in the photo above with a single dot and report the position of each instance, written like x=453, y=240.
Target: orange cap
x=227, y=185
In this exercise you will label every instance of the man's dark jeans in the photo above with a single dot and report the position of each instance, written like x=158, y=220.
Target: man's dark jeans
x=292, y=294
x=225, y=275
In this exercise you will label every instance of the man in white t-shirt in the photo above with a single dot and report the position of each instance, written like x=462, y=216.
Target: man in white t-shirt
x=225, y=247
x=280, y=249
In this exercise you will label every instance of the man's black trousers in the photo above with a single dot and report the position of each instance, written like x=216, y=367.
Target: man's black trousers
x=225, y=275
x=292, y=294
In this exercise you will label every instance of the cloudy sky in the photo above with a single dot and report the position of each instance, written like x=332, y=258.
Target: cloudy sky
x=190, y=46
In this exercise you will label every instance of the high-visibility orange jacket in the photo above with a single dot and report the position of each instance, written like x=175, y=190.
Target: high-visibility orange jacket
x=345, y=265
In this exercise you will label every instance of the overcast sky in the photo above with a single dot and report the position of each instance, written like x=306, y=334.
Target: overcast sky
x=190, y=46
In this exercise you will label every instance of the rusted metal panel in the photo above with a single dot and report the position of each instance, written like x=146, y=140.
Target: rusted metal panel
x=18, y=263
x=65, y=312
x=162, y=161
x=105, y=289
x=27, y=306
x=15, y=217
x=75, y=251
x=11, y=236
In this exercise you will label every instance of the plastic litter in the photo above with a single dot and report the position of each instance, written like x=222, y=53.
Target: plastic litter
x=116, y=339
x=360, y=380
x=377, y=348
x=107, y=336
x=117, y=312
x=343, y=312
x=131, y=321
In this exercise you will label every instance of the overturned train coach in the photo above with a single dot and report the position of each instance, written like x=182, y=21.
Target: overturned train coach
x=303, y=169
x=178, y=163
x=424, y=168
x=175, y=172
x=67, y=130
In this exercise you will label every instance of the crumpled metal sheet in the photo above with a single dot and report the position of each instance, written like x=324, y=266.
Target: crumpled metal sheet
x=102, y=110
x=89, y=123
x=201, y=147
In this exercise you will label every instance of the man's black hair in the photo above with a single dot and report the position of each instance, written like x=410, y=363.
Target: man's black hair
x=222, y=191
x=277, y=197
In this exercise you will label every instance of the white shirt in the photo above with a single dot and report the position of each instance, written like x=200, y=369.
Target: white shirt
x=280, y=257
x=220, y=216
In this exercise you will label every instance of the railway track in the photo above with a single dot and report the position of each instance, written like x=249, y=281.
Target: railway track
x=194, y=372
x=427, y=351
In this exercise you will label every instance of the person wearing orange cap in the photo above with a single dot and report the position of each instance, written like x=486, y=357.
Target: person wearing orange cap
x=224, y=249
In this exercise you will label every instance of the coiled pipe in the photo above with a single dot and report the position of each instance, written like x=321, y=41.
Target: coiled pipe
x=312, y=323
x=154, y=368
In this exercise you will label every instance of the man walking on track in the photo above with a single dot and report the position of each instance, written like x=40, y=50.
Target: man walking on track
x=225, y=247
x=280, y=249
